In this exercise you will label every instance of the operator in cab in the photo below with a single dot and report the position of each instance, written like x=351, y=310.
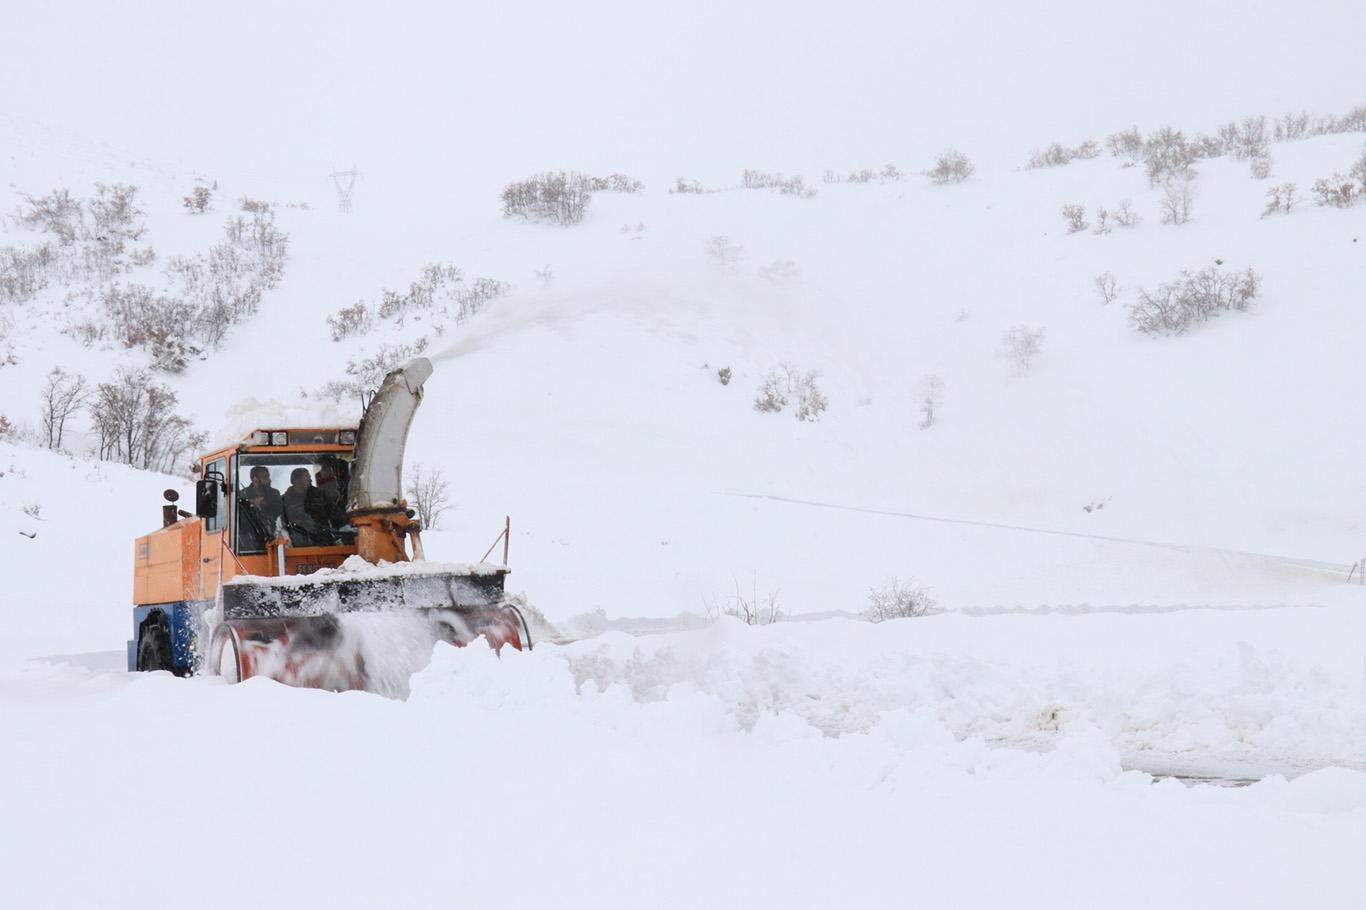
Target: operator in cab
x=262, y=507
x=305, y=511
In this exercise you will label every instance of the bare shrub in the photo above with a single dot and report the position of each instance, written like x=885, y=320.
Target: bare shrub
x=1259, y=166
x=365, y=373
x=58, y=213
x=929, y=394
x=197, y=203
x=1102, y=220
x=723, y=375
x=615, y=183
x=811, y=401
x=1058, y=155
x=62, y=395
x=429, y=494
x=683, y=185
x=558, y=197
x=1021, y=345
x=788, y=186
x=1125, y=216
x=254, y=206
x=157, y=323
x=1126, y=144
x=1075, y=215
x=137, y=423
x=772, y=395
x=1193, y=298
x=544, y=274
x=1177, y=196
x=866, y=175
x=115, y=213
x=951, y=166
x=25, y=272
x=349, y=320
x=1107, y=287
x=1280, y=199
x=1167, y=156
x=1338, y=191
x=1290, y=127
x=7, y=429
x=725, y=251
x=898, y=600
x=752, y=610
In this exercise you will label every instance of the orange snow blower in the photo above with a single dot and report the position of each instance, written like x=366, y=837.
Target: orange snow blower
x=323, y=585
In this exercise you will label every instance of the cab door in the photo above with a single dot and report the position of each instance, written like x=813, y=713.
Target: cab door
x=214, y=540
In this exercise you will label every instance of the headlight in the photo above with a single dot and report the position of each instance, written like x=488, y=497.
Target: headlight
x=279, y=438
x=347, y=437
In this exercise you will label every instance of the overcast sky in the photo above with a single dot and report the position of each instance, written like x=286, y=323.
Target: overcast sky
x=701, y=88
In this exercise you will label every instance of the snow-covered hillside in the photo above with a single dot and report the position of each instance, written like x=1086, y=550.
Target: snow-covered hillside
x=1138, y=545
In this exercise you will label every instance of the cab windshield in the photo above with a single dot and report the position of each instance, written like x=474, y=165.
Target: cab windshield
x=298, y=496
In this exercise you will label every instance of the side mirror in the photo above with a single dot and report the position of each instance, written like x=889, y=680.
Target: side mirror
x=206, y=498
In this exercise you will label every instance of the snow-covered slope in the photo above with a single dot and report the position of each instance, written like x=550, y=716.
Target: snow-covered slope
x=1195, y=623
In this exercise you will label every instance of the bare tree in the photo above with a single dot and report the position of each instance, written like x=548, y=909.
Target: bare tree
x=752, y=610
x=1107, y=287
x=929, y=394
x=429, y=494
x=137, y=423
x=1280, y=199
x=1021, y=345
x=198, y=200
x=1177, y=196
x=63, y=395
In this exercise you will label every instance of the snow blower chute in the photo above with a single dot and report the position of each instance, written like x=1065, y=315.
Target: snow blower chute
x=322, y=585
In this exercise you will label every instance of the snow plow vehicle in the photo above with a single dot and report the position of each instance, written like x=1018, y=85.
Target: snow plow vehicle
x=324, y=585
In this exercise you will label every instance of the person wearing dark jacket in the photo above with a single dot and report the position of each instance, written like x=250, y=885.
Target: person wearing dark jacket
x=305, y=511
x=262, y=506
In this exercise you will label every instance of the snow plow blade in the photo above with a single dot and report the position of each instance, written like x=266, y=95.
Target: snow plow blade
x=369, y=633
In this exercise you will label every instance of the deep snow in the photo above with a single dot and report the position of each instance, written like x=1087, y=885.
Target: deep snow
x=1003, y=751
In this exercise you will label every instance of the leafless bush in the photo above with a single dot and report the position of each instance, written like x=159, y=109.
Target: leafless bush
x=929, y=395
x=1124, y=216
x=1075, y=214
x=683, y=185
x=1168, y=156
x=1193, y=298
x=898, y=600
x=811, y=401
x=1290, y=127
x=723, y=375
x=788, y=186
x=63, y=394
x=429, y=494
x=137, y=423
x=951, y=166
x=7, y=429
x=1338, y=191
x=254, y=206
x=559, y=197
x=614, y=183
x=725, y=251
x=544, y=274
x=1280, y=199
x=867, y=175
x=25, y=272
x=157, y=323
x=1021, y=345
x=1177, y=196
x=1058, y=155
x=366, y=373
x=349, y=320
x=115, y=212
x=1126, y=144
x=1259, y=166
x=197, y=203
x=58, y=213
x=772, y=396
x=752, y=610
x=1107, y=287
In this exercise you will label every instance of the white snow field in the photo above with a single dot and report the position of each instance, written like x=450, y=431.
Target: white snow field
x=1144, y=684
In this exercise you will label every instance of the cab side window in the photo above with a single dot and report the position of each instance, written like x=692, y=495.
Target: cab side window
x=218, y=470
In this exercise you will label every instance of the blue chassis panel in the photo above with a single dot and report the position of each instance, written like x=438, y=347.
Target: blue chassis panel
x=183, y=617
